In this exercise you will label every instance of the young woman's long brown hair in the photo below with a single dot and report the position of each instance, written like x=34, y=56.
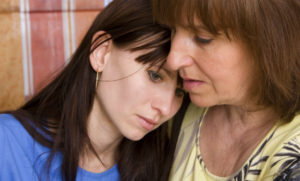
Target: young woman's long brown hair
x=61, y=109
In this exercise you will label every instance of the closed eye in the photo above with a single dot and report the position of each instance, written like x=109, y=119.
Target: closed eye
x=201, y=40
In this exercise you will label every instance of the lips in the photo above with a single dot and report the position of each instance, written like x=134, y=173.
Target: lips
x=190, y=84
x=148, y=124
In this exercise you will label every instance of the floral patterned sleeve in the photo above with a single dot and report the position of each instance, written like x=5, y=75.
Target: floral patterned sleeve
x=288, y=161
x=292, y=173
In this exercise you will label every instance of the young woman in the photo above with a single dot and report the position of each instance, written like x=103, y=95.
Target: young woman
x=90, y=122
x=240, y=63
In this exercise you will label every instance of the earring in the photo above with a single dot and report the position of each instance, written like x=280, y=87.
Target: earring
x=97, y=79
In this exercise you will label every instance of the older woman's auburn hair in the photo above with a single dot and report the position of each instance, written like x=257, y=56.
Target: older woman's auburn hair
x=269, y=28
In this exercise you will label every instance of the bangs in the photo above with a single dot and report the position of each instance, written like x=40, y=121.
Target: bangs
x=215, y=16
x=154, y=39
x=158, y=45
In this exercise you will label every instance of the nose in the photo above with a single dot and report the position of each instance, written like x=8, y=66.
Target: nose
x=179, y=56
x=164, y=101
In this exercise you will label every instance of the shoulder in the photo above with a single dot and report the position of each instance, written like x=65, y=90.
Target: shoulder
x=7, y=120
x=15, y=137
x=284, y=151
x=286, y=162
x=13, y=149
x=188, y=132
x=192, y=115
x=12, y=132
x=21, y=156
x=186, y=147
x=292, y=128
x=11, y=127
x=190, y=126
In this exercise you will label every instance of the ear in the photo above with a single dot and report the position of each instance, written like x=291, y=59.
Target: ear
x=98, y=57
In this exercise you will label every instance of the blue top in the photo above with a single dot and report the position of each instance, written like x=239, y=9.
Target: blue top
x=22, y=158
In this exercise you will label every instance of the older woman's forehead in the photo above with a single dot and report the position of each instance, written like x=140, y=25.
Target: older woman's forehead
x=183, y=17
x=194, y=15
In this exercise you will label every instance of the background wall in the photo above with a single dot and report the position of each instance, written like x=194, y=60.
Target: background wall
x=37, y=37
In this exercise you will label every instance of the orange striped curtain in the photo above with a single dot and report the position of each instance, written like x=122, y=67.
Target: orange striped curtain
x=37, y=37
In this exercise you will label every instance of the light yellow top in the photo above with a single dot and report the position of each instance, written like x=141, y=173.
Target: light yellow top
x=277, y=151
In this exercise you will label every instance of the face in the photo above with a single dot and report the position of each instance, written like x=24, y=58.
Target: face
x=215, y=70
x=135, y=98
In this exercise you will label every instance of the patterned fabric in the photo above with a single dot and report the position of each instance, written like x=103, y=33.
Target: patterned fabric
x=37, y=37
x=276, y=158
x=292, y=173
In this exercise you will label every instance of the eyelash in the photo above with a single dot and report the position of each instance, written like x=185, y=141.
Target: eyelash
x=152, y=75
x=202, y=40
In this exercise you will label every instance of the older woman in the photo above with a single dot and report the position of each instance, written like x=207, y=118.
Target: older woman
x=240, y=63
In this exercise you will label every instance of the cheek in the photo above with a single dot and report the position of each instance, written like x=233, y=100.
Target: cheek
x=133, y=94
x=134, y=89
x=117, y=95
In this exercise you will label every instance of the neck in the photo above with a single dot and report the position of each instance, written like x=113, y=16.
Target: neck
x=245, y=117
x=104, y=137
x=229, y=134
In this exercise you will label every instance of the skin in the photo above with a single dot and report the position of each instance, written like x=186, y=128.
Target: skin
x=132, y=100
x=218, y=73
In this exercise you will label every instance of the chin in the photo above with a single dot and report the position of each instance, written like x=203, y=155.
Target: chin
x=135, y=136
x=201, y=101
